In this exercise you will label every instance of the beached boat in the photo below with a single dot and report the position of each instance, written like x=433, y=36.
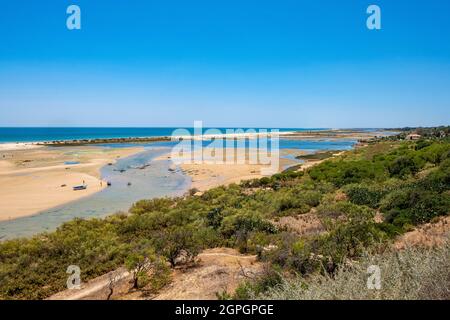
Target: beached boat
x=81, y=187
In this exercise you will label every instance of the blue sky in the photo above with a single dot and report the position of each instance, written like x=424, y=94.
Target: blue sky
x=228, y=63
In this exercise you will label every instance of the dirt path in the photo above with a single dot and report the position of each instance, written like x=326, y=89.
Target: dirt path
x=217, y=270
x=95, y=289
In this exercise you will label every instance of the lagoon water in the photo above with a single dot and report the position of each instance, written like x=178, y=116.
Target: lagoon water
x=150, y=182
x=147, y=182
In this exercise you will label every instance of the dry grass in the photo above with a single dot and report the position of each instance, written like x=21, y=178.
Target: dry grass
x=430, y=234
x=302, y=225
x=411, y=274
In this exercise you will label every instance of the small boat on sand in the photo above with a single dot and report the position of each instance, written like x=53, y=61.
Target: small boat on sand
x=81, y=187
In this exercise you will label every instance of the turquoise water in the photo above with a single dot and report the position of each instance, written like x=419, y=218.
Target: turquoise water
x=52, y=134
x=307, y=145
x=148, y=178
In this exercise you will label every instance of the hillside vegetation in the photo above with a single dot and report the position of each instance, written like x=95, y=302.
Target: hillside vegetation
x=426, y=276
x=406, y=183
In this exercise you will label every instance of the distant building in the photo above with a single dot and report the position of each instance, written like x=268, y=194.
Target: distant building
x=413, y=136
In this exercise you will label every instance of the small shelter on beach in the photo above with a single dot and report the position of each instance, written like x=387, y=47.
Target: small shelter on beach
x=413, y=136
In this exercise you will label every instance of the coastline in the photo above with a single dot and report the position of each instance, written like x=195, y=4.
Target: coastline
x=297, y=134
x=39, y=172
x=83, y=142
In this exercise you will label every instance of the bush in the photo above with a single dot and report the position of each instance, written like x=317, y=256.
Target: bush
x=435, y=153
x=139, y=262
x=371, y=194
x=363, y=194
x=343, y=172
x=404, y=166
x=411, y=206
x=245, y=221
x=270, y=278
x=146, y=206
x=422, y=143
x=176, y=241
x=36, y=268
x=344, y=211
x=438, y=180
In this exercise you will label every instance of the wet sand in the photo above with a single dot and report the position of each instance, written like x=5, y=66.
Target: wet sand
x=207, y=175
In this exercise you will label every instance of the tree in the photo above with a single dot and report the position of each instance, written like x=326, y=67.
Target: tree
x=178, y=241
x=114, y=278
x=139, y=262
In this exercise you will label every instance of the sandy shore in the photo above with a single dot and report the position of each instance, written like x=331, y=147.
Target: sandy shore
x=18, y=146
x=209, y=175
x=35, y=178
x=236, y=135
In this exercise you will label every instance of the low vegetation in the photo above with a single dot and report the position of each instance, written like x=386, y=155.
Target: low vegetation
x=318, y=155
x=406, y=183
x=411, y=274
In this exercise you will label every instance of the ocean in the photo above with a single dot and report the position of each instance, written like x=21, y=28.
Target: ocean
x=35, y=134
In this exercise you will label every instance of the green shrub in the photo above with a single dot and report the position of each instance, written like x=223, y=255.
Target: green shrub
x=411, y=206
x=403, y=166
x=139, y=262
x=364, y=195
x=36, y=268
x=343, y=172
x=146, y=206
x=271, y=277
x=422, y=143
x=175, y=241
x=438, y=180
x=435, y=153
x=371, y=194
x=348, y=241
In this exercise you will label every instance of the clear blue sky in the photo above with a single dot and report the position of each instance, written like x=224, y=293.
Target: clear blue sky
x=227, y=62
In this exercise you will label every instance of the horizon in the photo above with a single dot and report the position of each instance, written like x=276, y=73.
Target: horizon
x=219, y=127
x=10, y=135
x=291, y=65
